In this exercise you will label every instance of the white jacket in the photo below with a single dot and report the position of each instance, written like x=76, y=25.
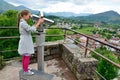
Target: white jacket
x=25, y=42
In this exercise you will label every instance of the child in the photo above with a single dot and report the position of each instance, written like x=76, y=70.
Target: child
x=26, y=47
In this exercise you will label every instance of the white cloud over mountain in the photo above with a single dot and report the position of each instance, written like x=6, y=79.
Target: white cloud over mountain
x=76, y=6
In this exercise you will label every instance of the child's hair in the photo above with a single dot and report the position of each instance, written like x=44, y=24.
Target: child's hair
x=21, y=14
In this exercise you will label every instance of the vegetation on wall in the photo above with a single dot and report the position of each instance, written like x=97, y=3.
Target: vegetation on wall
x=105, y=68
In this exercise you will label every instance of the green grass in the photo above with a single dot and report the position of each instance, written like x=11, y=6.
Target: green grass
x=87, y=30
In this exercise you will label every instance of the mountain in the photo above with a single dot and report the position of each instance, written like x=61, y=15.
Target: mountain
x=23, y=7
x=7, y=6
x=108, y=16
x=4, y=6
x=67, y=14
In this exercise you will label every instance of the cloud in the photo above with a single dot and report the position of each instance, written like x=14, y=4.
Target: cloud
x=82, y=2
x=77, y=6
x=66, y=7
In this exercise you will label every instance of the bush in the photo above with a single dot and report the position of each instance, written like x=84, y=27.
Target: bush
x=105, y=68
x=108, y=70
x=9, y=18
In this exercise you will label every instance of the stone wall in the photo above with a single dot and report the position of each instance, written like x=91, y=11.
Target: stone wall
x=51, y=50
x=81, y=67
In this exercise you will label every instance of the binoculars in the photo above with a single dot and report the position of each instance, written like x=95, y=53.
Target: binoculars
x=36, y=17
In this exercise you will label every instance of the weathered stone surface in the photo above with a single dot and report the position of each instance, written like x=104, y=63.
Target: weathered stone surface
x=39, y=75
x=87, y=67
x=81, y=67
x=51, y=50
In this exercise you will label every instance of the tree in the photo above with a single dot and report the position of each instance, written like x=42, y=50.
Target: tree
x=9, y=18
x=11, y=13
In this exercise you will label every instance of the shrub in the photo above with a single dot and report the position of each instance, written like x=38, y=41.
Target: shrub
x=105, y=68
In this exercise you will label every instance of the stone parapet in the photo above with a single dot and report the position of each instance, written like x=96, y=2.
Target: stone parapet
x=83, y=68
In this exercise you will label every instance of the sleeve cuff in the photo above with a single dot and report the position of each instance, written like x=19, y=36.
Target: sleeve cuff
x=34, y=28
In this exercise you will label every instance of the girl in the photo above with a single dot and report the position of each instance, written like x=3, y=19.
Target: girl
x=26, y=47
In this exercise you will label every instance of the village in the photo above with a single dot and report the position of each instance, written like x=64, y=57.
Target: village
x=115, y=41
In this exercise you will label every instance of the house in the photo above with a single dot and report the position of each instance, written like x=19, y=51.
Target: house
x=115, y=41
x=98, y=24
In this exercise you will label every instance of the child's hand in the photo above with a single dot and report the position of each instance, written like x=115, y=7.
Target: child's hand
x=41, y=20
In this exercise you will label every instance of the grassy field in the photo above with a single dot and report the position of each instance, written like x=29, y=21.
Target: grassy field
x=87, y=30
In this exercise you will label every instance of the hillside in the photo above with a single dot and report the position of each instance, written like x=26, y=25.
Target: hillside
x=108, y=16
x=6, y=6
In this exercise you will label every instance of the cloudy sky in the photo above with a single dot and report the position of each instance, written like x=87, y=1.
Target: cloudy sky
x=76, y=6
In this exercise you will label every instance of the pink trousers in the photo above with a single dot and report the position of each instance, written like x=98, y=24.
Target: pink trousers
x=25, y=62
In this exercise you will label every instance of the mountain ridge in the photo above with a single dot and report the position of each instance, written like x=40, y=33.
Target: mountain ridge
x=107, y=16
x=7, y=6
